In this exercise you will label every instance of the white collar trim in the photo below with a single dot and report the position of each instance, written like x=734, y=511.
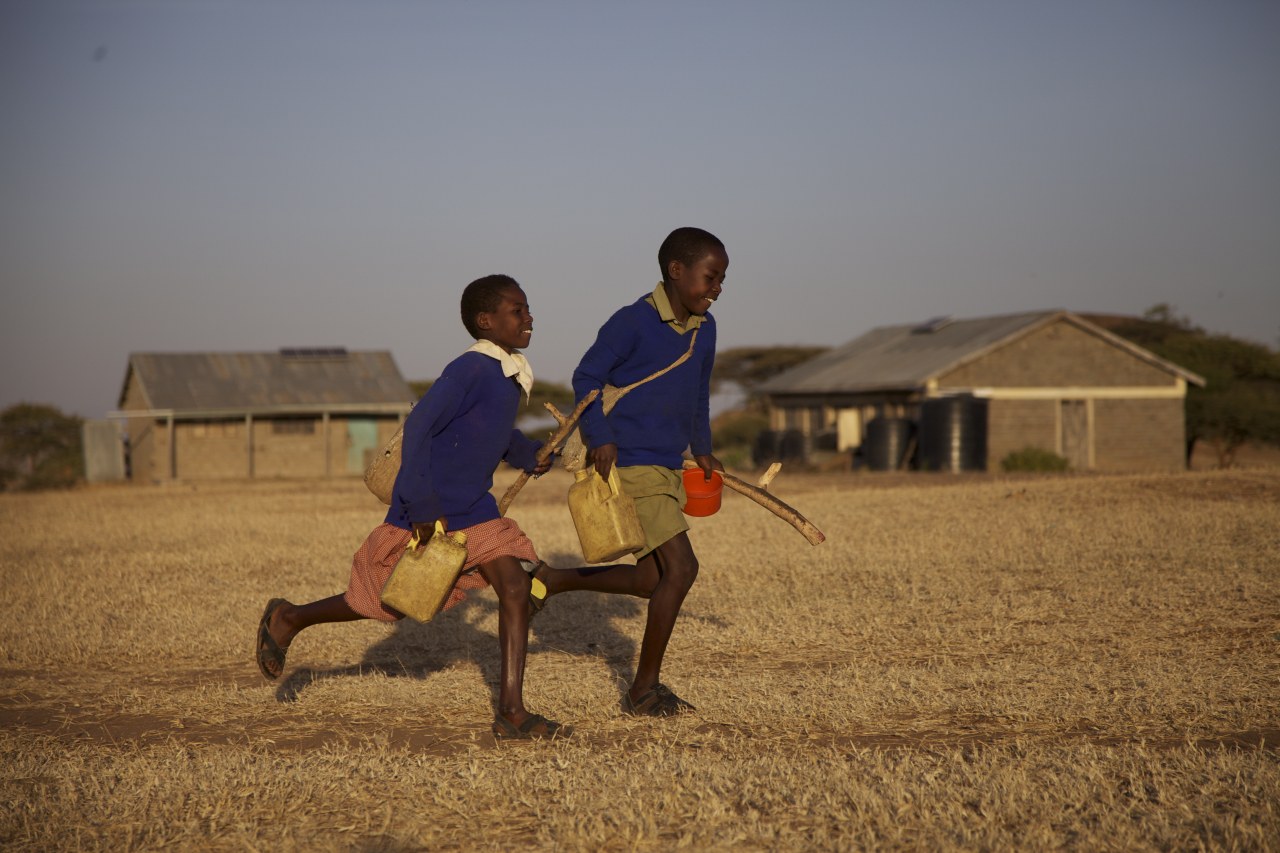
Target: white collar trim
x=513, y=364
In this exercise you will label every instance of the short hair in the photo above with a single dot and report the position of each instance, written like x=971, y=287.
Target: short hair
x=688, y=246
x=483, y=296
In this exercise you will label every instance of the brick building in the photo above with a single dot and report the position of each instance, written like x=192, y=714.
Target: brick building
x=1049, y=379
x=295, y=413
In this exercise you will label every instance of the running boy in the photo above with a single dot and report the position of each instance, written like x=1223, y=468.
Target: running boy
x=646, y=434
x=452, y=442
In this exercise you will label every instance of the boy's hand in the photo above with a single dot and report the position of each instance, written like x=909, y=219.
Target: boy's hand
x=604, y=458
x=708, y=463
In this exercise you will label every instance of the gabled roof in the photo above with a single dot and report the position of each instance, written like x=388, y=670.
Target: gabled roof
x=261, y=381
x=895, y=358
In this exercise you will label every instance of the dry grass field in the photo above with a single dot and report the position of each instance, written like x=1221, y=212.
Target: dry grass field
x=977, y=662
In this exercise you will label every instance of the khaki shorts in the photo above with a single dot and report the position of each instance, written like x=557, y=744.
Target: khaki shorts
x=659, y=494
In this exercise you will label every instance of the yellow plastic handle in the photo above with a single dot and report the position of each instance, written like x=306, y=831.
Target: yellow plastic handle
x=614, y=486
x=416, y=540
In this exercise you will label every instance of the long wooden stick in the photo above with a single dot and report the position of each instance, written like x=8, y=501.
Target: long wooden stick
x=566, y=426
x=787, y=513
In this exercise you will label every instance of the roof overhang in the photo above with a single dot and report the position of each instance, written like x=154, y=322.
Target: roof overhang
x=284, y=410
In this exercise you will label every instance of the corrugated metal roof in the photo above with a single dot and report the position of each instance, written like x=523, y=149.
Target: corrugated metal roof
x=899, y=357
x=906, y=357
x=227, y=380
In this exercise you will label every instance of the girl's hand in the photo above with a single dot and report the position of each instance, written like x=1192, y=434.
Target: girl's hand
x=708, y=463
x=604, y=458
x=426, y=529
x=544, y=466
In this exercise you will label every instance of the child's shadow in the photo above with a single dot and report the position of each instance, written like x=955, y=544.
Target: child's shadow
x=577, y=623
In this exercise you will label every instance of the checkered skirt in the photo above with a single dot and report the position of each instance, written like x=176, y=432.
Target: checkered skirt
x=377, y=557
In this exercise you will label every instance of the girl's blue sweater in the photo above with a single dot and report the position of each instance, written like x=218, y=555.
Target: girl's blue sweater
x=655, y=423
x=453, y=440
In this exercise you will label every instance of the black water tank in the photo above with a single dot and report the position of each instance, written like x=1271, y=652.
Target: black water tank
x=793, y=447
x=778, y=446
x=885, y=443
x=953, y=434
x=766, y=449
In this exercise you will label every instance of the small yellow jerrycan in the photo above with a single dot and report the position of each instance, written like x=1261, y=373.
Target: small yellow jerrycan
x=605, y=517
x=424, y=576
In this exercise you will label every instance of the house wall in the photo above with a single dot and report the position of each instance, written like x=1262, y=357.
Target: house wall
x=1139, y=435
x=1015, y=424
x=140, y=434
x=1059, y=355
x=218, y=449
x=210, y=450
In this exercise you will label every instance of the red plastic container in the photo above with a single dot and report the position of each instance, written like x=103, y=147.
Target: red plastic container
x=704, y=495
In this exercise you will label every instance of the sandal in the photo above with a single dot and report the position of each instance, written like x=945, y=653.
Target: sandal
x=657, y=701
x=535, y=727
x=269, y=651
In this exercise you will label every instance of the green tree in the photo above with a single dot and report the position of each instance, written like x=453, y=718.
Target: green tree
x=751, y=366
x=40, y=448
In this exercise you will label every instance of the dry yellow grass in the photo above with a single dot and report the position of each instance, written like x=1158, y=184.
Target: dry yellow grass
x=967, y=662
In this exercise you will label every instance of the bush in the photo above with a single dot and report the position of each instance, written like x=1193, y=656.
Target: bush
x=738, y=428
x=40, y=448
x=1034, y=459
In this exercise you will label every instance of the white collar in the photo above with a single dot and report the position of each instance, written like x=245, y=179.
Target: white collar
x=513, y=364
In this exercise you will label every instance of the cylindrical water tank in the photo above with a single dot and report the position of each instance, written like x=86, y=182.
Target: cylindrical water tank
x=953, y=433
x=885, y=443
x=767, y=447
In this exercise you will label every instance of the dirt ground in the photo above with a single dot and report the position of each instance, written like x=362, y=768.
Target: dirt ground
x=975, y=661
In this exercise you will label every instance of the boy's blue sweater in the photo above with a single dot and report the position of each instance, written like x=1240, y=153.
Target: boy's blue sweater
x=453, y=440
x=653, y=424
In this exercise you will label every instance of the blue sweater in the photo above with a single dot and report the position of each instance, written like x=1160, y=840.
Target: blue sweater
x=453, y=440
x=653, y=424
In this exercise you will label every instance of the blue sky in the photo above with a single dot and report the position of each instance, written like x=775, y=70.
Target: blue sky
x=218, y=175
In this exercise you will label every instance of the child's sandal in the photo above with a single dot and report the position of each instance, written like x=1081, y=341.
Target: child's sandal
x=657, y=701
x=535, y=727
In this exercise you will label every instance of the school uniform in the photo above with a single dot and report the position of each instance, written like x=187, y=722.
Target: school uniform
x=655, y=423
x=452, y=442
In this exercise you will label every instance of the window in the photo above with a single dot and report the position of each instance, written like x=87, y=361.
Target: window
x=293, y=426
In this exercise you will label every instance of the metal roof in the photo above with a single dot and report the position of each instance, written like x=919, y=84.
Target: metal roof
x=906, y=357
x=288, y=379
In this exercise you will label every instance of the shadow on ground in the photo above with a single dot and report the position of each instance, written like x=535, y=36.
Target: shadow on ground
x=576, y=623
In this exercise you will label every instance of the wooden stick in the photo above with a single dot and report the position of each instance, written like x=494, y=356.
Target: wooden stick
x=787, y=513
x=566, y=426
x=767, y=477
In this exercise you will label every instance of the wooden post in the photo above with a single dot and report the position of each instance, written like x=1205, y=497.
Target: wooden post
x=171, y=434
x=248, y=447
x=328, y=460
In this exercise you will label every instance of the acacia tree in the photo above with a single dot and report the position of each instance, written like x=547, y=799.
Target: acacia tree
x=40, y=448
x=748, y=367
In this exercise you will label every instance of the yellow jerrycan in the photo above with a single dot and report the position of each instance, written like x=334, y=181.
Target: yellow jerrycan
x=604, y=516
x=425, y=574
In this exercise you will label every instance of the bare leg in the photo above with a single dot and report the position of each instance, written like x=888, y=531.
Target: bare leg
x=511, y=583
x=283, y=621
x=289, y=619
x=639, y=580
x=678, y=569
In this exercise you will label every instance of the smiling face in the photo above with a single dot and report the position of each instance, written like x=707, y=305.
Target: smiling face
x=693, y=288
x=510, y=325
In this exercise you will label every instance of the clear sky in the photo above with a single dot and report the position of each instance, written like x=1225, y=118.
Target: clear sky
x=219, y=175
